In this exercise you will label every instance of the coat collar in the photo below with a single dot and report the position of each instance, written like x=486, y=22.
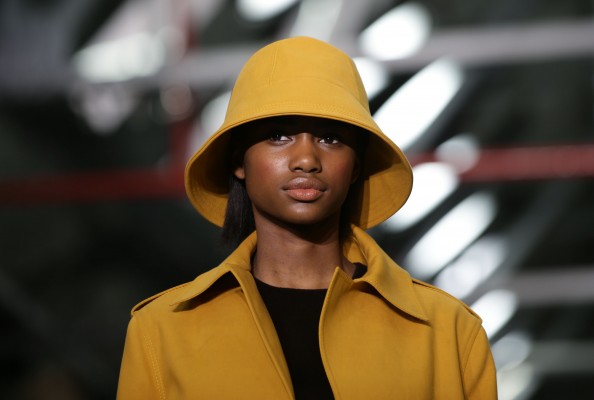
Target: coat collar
x=237, y=262
x=392, y=282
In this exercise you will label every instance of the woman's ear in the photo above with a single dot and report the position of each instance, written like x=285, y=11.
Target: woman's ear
x=237, y=164
x=239, y=172
x=237, y=152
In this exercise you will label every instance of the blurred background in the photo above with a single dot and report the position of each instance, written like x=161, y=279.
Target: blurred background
x=103, y=101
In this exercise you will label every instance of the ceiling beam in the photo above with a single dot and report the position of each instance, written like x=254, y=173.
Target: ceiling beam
x=558, y=285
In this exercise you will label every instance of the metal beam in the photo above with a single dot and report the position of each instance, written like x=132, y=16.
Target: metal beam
x=564, y=284
x=505, y=44
x=473, y=47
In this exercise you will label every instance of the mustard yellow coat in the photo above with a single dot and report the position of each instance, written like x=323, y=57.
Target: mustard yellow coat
x=382, y=336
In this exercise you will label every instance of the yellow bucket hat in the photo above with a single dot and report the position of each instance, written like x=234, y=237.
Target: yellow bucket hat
x=301, y=76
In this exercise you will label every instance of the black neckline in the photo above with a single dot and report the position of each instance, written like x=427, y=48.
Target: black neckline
x=360, y=270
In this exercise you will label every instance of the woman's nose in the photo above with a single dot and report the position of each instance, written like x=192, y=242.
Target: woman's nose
x=304, y=154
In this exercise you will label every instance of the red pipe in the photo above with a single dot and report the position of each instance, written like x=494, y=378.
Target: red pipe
x=493, y=165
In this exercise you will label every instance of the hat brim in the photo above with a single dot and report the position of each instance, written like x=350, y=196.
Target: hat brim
x=386, y=173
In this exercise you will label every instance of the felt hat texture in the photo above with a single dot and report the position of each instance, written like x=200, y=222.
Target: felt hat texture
x=301, y=76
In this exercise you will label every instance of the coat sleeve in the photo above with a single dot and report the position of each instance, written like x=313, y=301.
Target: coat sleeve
x=480, y=377
x=140, y=377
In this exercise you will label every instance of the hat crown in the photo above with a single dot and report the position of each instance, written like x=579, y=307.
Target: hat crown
x=290, y=74
x=301, y=61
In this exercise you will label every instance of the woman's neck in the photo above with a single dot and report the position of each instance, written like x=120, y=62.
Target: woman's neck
x=285, y=258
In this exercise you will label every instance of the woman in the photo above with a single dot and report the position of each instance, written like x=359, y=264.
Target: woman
x=307, y=306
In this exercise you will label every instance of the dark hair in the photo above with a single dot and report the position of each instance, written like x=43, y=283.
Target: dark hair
x=239, y=217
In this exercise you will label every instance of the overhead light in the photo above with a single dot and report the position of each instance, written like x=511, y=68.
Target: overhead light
x=399, y=33
x=407, y=114
x=495, y=308
x=260, y=10
x=104, y=108
x=137, y=55
x=373, y=74
x=177, y=100
x=213, y=113
x=474, y=266
x=451, y=235
x=511, y=350
x=432, y=184
x=461, y=152
x=517, y=383
x=317, y=18
x=210, y=119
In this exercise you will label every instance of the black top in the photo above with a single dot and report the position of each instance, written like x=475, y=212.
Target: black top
x=296, y=316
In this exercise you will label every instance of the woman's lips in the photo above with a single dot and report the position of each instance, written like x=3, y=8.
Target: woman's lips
x=305, y=195
x=305, y=189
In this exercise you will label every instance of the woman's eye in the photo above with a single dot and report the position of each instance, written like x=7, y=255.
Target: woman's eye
x=276, y=136
x=330, y=139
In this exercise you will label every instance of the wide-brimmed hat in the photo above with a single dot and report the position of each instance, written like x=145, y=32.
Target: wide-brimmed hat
x=301, y=76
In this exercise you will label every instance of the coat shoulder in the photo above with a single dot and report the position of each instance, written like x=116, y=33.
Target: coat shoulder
x=438, y=299
x=159, y=298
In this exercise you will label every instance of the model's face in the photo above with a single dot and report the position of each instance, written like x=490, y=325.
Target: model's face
x=298, y=170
